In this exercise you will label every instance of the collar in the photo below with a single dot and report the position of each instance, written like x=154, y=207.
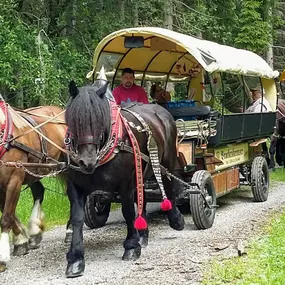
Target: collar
x=107, y=153
x=6, y=129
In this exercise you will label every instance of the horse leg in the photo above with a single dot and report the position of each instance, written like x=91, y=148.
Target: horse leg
x=8, y=221
x=272, y=150
x=278, y=151
x=176, y=219
x=36, y=221
x=131, y=243
x=144, y=233
x=20, y=238
x=68, y=231
x=2, y=203
x=282, y=152
x=75, y=255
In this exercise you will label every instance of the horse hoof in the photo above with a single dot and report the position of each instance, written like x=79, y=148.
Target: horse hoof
x=35, y=241
x=75, y=269
x=177, y=223
x=68, y=238
x=132, y=254
x=21, y=249
x=3, y=266
x=143, y=241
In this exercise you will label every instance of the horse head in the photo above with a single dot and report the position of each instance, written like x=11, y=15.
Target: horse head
x=88, y=120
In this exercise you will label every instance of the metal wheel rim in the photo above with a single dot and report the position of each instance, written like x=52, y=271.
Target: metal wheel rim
x=99, y=207
x=264, y=181
x=209, y=199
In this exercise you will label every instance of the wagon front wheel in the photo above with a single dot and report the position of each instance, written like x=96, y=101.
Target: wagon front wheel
x=96, y=212
x=259, y=179
x=203, y=216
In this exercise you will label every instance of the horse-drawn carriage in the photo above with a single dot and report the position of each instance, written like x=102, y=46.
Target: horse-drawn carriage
x=220, y=147
x=187, y=152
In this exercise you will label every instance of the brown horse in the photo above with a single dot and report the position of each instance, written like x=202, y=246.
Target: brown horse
x=23, y=143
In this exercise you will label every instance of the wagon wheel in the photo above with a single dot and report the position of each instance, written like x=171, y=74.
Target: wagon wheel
x=96, y=212
x=203, y=216
x=259, y=179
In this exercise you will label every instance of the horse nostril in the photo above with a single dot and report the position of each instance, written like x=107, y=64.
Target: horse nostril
x=82, y=163
x=87, y=166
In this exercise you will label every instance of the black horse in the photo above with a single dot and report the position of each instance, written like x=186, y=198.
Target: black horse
x=277, y=144
x=88, y=118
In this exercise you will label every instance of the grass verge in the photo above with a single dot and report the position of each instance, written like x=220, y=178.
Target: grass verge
x=55, y=204
x=265, y=259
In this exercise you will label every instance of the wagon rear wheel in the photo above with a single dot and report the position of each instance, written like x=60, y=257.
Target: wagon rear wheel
x=202, y=215
x=96, y=212
x=259, y=179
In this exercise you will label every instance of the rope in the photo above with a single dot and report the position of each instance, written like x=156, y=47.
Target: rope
x=42, y=135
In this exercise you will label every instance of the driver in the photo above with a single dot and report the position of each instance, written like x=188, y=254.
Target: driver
x=128, y=91
x=258, y=104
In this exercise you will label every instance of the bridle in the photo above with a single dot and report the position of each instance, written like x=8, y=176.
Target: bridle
x=105, y=148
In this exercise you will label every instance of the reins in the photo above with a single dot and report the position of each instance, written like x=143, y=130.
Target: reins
x=42, y=135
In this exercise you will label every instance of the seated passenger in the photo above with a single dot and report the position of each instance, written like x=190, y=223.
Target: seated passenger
x=258, y=104
x=158, y=94
x=128, y=91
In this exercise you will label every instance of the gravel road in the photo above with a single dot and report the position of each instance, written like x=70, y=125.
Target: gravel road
x=171, y=257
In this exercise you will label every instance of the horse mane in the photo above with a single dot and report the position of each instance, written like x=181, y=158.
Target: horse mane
x=88, y=113
x=17, y=119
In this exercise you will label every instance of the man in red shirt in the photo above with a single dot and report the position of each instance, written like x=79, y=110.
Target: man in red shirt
x=128, y=91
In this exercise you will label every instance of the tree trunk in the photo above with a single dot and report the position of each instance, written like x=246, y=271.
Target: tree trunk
x=102, y=5
x=122, y=10
x=19, y=102
x=71, y=19
x=199, y=35
x=269, y=53
x=267, y=17
x=168, y=14
x=136, y=14
x=20, y=98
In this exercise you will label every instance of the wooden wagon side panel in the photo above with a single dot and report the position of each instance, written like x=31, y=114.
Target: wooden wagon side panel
x=226, y=181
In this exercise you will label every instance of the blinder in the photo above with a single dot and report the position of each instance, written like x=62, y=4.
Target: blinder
x=72, y=144
x=90, y=140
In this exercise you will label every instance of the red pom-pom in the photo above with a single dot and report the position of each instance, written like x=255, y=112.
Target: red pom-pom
x=140, y=223
x=166, y=205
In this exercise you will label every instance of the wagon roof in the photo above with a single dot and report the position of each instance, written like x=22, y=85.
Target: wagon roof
x=171, y=46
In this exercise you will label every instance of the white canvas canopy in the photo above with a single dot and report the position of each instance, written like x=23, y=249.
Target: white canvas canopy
x=169, y=52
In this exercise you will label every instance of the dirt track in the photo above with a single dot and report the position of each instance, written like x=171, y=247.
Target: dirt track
x=171, y=257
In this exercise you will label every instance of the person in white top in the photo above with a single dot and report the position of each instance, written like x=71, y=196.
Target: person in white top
x=258, y=104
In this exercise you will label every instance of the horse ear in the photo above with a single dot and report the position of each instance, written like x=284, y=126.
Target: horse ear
x=73, y=90
x=102, y=90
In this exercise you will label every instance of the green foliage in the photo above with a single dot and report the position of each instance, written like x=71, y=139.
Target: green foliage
x=55, y=204
x=253, y=31
x=263, y=264
x=45, y=44
x=265, y=257
x=278, y=175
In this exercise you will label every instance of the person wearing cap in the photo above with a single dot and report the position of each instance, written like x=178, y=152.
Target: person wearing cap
x=158, y=94
x=128, y=91
x=258, y=104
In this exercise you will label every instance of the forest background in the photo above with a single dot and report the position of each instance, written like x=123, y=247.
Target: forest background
x=44, y=44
